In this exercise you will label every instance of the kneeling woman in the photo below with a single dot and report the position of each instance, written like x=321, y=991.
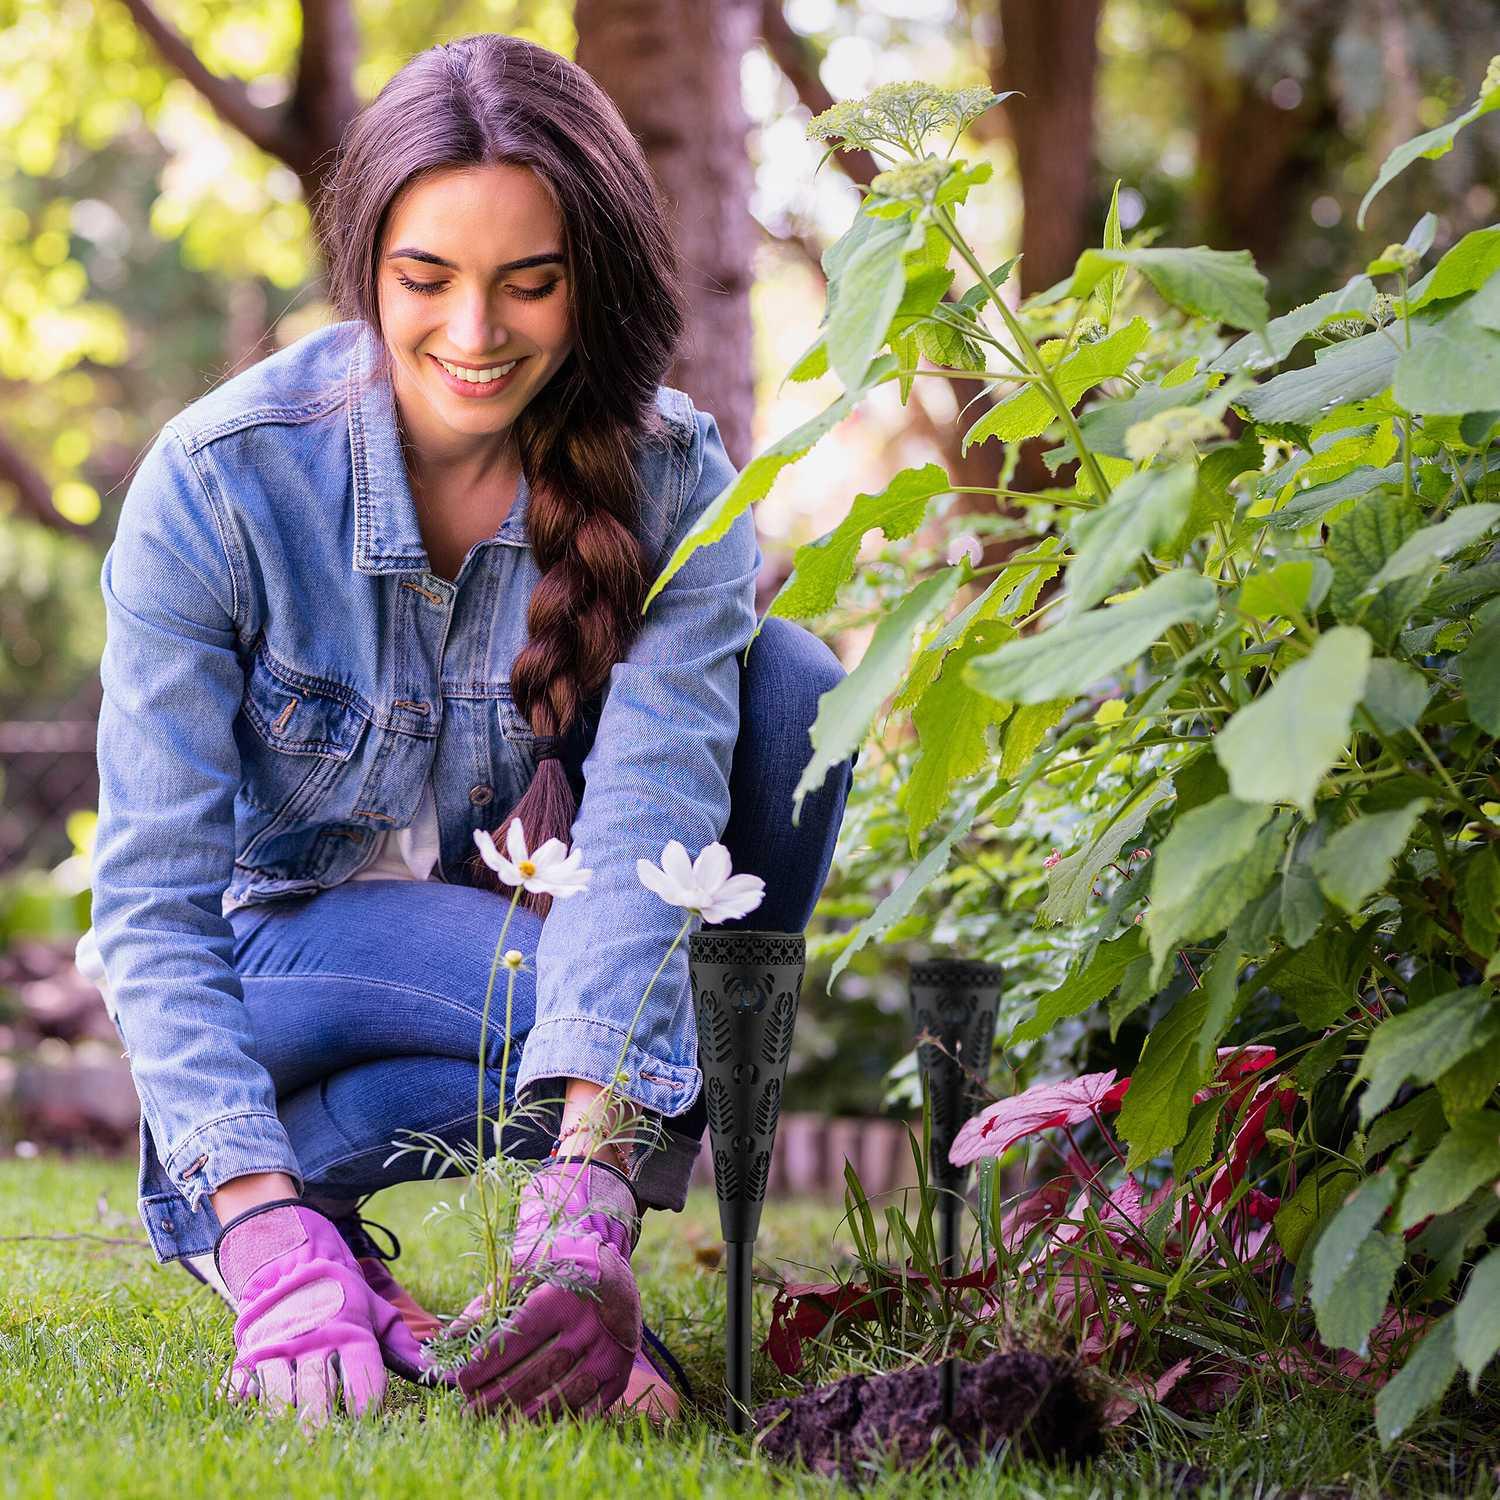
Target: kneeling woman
x=374, y=594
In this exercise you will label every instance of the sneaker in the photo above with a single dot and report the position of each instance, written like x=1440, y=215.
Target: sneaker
x=650, y=1388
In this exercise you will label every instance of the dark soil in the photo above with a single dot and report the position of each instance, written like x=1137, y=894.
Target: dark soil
x=1027, y=1400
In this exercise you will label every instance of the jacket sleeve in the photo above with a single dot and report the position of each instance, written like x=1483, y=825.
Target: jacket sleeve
x=169, y=767
x=658, y=770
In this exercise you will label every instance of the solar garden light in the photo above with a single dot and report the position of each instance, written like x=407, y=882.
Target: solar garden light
x=745, y=989
x=953, y=1002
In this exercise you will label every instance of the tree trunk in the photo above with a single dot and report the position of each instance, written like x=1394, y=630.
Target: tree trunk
x=673, y=67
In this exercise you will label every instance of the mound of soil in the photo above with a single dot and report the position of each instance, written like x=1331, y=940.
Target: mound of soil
x=1028, y=1400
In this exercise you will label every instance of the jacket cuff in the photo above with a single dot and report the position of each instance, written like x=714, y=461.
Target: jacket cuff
x=226, y=1148
x=586, y=1047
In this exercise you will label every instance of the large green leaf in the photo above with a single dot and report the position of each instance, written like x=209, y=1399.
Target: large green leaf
x=1222, y=285
x=1356, y=296
x=953, y=723
x=1395, y=695
x=1322, y=979
x=755, y=480
x=1431, y=544
x=1340, y=372
x=1468, y=1157
x=1354, y=1266
x=1212, y=863
x=869, y=286
x=1479, y=669
x=1309, y=505
x=1083, y=987
x=1423, y=1043
x=1063, y=661
x=1478, y=1317
x=1279, y=748
x=1431, y=144
x=1070, y=883
x=1359, y=546
x=1154, y=1114
x=1357, y=861
x=1028, y=412
x=1419, y=1383
x=1465, y=268
x=846, y=710
x=1453, y=364
x=1142, y=513
x=1314, y=1202
x=822, y=567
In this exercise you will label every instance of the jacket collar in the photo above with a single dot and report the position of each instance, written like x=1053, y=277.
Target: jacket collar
x=387, y=538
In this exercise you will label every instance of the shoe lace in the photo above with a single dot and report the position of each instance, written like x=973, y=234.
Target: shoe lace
x=660, y=1349
x=355, y=1229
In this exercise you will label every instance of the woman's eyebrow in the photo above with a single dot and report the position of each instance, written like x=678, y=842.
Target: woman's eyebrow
x=408, y=252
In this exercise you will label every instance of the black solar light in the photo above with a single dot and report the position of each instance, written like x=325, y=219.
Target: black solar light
x=745, y=990
x=953, y=1002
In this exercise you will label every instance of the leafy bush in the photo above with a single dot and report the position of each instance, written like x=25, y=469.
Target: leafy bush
x=1250, y=647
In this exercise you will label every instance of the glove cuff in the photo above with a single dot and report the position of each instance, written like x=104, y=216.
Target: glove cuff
x=236, y=1263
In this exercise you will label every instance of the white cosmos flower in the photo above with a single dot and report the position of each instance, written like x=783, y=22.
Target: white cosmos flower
x=551, y=871
x=704, y=885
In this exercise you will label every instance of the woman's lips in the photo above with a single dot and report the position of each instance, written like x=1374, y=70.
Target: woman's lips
x=468, y=388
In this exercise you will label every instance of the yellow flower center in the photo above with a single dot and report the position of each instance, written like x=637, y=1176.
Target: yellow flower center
x=527, y=868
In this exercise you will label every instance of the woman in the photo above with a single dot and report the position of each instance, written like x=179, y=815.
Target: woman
x=376, y=593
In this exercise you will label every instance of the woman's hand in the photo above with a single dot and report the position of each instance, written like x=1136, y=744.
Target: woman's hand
x=310, y=1331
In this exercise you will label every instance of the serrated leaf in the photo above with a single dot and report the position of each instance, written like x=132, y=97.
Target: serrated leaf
x=1154, y=1114
x=1477, y=1335
x=1083, y=987
x=1423, y=1043
x=1025, y=730
x=1321, y=979
x=1359, y=545
x=1071, y=656
x=1468, y=1157
x=1279, y=748
x=1070, y=882
x=1314, y=1201
x=755, y=480
x=952, y=722
x=846, y=710
x=1354, y=1266
x=1283, y=590
x=1431, y=544
x=820, y=568
x=1358, y=860
x=1028, y=412
x=1479, y=899
x=870, y=285
x=1339, y=372
x=1356, y=296
x=1479, y=670
x=1464, y=268
x=1196, y=1149
x=1142, y=513
x=1395, y=695
x=1419, y=1383
x=1222, y=285
x=1212, y=863
x=1302, y=904
x=1453, y=364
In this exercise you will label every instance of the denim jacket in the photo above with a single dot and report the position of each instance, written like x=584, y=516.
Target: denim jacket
x=279, y=683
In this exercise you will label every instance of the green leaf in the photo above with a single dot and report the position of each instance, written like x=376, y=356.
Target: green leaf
x=1354, y=1265
x=1423, y=1043
x=1313, y=504
x=1284, y=590
x=1419, y=1383
x=1026, y=729
x=846, y=710
x=1279, y=748
x=1356, y=296
x=1083, y=987
x=1208, y=867
x=1358, y=860
x=1469, y=1084
x=1028, y=412
x=1339, y=372
x=899, y=904
x=1196, y=1148
x=1477, y=1316
x=1359, y=545
x=1431, y=144
x=1062, y=661
x=1468, y=1157
x=1395, y=695
x=1302, y=904
x=1221, y=986
x=1321, y=979
x=1313, y=1202
x=867, y=291
x=755, y=480
x=1221, y=285
x=1431, y=544
x=1070, y=882
x=820, y=568
x=1134, y=992
x=1142, y=513
x=1479, y=898
x=1465, y=268
x=952, y=723
x=1479, y=670
x=1154, y=1114
x=1453, y=364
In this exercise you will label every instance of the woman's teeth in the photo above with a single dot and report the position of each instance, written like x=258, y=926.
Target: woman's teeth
x=478, y=377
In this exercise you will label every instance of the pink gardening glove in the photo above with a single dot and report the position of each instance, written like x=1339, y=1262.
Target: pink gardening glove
x=571, y=1345
x=309, y=1325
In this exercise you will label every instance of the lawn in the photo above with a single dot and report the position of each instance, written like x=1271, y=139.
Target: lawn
x=108, y=1365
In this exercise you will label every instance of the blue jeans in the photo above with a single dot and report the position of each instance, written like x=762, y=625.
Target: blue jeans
x=365, y=999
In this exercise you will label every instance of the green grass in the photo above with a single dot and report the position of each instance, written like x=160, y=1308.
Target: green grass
x=109, y=1362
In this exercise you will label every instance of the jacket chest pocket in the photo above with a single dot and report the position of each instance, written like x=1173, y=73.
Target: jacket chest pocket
x=302, y=731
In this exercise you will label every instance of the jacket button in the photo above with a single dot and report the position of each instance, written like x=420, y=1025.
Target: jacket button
x=480, y=794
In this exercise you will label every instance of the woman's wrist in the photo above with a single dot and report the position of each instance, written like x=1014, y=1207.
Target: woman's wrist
x=250, y=1191
x=589, y=1122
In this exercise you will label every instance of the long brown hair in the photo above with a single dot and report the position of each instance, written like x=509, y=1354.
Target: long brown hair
x=499, y=100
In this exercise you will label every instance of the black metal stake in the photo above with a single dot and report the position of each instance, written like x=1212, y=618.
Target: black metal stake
x=745, y=990
x=953, y=1002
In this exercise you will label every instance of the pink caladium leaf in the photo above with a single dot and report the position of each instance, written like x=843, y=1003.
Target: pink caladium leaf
x=995, y=1130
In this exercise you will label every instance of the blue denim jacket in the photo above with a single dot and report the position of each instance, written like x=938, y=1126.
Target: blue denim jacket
x=279, y=682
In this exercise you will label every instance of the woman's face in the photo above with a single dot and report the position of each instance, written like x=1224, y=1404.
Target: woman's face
x=484, y=308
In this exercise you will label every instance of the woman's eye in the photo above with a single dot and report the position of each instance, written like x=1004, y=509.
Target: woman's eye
x=430, y=288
